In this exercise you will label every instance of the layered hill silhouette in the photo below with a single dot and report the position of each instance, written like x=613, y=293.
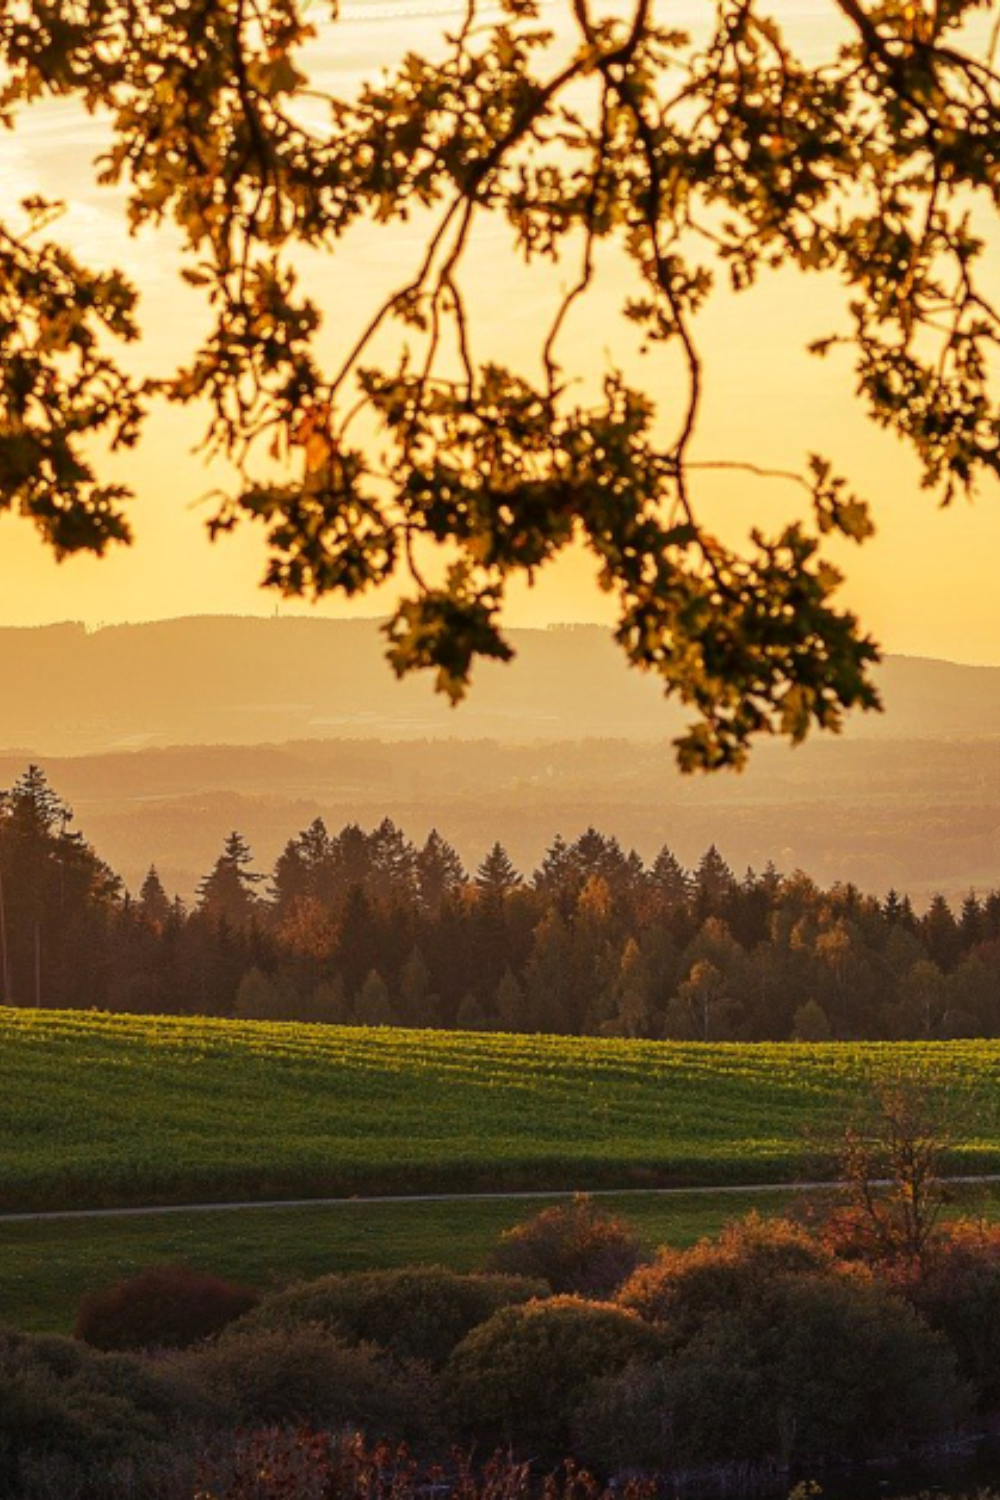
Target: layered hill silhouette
x=232, y=681
x=164, y=737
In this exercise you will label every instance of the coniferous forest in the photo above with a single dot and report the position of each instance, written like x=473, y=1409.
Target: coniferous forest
x=370, y=928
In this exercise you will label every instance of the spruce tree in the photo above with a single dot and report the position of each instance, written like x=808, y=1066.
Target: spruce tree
x=227, y=893
x=154, y=903
x=669, y=880
x=439, y=873
x=496, y=876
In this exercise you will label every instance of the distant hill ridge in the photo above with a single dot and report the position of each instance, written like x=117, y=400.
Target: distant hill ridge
x=65, y=690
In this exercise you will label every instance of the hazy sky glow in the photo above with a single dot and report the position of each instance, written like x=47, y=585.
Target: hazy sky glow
x=924, y=585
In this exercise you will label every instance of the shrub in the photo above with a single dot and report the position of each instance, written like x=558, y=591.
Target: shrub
x=853, y=1234
x=956, y=1289
x=817, y=1367
x=80, y=1414
x=776, y=1351
x=165, y=1307
x=519, y=1378
x=307, y=1375
x=420, y=1312
x=682, y=1288
x=575, y=1248
x=623, y=1423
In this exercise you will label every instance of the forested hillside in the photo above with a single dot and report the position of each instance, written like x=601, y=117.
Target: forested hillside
x=369, y=927
x=920, y=815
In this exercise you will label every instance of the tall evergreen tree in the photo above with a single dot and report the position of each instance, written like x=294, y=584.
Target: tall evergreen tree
x=56, y=901
x=991, y=916
x=496, y=876
x=714, y=885
x=227, y=894
x=351, y=859
x=892, y=908
x=941, y=934
x=154, y=903
x=555, y=873
x=439, y=873
x=393, y=876
x=669, y=880
x=971, y=924
x=302, y=872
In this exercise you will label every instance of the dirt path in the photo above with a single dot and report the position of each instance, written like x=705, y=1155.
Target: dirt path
x=713, y=1190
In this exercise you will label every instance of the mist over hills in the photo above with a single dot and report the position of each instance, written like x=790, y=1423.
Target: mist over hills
x=236, y=681
x=920, y=816
x=242, y=681
x=285, y=720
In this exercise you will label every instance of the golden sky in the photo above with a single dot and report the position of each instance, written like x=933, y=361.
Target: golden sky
x=925, y=585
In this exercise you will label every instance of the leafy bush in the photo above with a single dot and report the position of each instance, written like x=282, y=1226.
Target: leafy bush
x=681, y=1289
x=419, y=1312
x=956, y=1289
x=575, y=1248
x=519, y=1378
x=816, y=1367
x=307, y=1375
x=849, y=1234
x=165, y=1307
x=78, y=1414
x=776, y=1352
x=624, y=1421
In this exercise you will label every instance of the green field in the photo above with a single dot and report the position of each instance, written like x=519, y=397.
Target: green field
x=100, y=1110
x=47, y=1265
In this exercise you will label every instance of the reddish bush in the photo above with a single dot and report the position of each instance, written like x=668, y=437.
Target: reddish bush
x=575, y=1248
x=852, y=1234
x=956, y=1289
x=166, y=1307
x=682, y=1288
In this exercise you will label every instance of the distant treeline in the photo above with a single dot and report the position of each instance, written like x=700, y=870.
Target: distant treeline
x=369, y=928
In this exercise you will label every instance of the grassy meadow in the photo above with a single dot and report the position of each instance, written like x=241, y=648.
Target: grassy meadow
x=47, y=1265
x=100, y=1111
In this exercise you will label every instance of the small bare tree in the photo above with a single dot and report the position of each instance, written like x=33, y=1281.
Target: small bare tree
x=890, y=1163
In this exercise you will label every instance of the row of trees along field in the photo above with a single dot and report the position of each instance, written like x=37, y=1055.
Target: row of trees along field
x=370, y=928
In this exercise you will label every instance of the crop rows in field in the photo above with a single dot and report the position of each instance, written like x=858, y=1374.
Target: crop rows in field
x=99, y=1110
